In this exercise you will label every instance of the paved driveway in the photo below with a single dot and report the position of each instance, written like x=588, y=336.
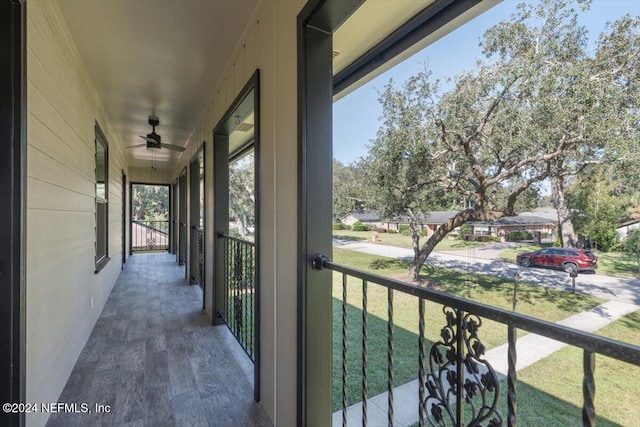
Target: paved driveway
x=606, y=287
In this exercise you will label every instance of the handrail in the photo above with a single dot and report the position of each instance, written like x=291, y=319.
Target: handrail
x=458, y=376
x=149, y=235
x=222, y=235
x=594, y=343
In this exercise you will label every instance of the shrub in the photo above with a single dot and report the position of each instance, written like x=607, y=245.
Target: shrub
x=465, y=229
x=557, y=242
x=339, y=226
x=518, y=235
x=424, y=232
x=358, y=226
x=380, y=229
x=402, y=229
x=495, y=238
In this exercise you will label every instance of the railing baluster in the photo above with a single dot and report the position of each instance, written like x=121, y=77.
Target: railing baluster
x=364, y=353
x=421, y=365
x=512, y=397
x=473, y=382
x=390, y=356
x=589, y=390
x=239, y=291
x=459, y=366
x=243, y=297
x=344, y=350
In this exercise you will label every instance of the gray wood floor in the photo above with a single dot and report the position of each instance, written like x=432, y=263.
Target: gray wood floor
x=156, y=361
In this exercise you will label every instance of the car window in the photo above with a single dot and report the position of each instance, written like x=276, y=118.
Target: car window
x=555, y=252
x=589, y=254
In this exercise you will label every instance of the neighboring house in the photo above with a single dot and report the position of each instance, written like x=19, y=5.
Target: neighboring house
x=625, y=228
x=507, y=224
x=429, y=221
x=368, y=217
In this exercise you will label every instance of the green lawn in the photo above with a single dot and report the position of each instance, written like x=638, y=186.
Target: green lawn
x=396, y=239
x=533, y=300
x=609, y=263
x=555, y=383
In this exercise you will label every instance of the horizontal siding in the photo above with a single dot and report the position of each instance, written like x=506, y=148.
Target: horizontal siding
x=62, y=111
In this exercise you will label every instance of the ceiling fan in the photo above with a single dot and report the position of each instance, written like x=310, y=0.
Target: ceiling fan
x=153, y=139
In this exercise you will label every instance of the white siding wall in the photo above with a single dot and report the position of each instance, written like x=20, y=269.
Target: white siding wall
x=62, y=110
x=269, y=43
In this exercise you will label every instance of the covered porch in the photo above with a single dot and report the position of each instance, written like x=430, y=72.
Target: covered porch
x=153, y=358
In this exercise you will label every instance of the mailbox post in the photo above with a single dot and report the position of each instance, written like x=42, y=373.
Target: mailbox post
x=516, y=277
x=573, y=275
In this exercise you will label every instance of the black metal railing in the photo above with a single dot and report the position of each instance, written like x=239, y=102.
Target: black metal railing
x=197, y=256
x=239, y=308
x=149, y=236
x=457, y=386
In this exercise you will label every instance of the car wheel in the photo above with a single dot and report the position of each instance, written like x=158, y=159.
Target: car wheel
x=570, y=267
x=526, y=262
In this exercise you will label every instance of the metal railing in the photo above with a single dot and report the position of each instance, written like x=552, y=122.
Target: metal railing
x=239, y=308
x=457, y=386
x=197, y=256
x=149, y=236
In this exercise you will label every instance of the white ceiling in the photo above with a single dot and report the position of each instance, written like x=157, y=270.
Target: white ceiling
x=371, y=23
x=164, y=57
x=155, y=57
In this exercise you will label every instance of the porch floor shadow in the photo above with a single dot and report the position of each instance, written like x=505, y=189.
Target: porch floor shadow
x=155, y=359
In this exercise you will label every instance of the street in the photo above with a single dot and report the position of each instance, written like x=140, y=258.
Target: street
x=606, y=287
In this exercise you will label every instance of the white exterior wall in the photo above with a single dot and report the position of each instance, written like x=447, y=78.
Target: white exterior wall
x=269, y=43
x=62, y=110
x=623, y=232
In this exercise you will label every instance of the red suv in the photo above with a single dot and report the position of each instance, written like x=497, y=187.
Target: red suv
x=568, y=259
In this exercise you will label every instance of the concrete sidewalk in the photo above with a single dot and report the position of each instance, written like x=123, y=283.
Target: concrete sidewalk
x=530, y=349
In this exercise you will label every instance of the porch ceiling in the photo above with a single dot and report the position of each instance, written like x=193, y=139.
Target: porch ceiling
x=164, y=57
x=158, y=57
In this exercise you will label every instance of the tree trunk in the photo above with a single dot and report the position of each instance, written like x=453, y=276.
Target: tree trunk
x=459, y=219
x=567, y=235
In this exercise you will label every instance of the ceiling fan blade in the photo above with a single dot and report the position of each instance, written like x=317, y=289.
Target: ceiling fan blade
x=151, y=140
x=173, y=147
x=137, y=146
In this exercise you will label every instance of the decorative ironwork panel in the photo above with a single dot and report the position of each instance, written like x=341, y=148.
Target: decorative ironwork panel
x=461, y=384
x=147, y=236
x=239, y=291
x=197, y=256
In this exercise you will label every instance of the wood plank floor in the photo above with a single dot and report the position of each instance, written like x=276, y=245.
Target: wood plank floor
x=156, y=361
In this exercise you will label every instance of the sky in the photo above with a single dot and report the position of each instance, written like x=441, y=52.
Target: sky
x=355, y=117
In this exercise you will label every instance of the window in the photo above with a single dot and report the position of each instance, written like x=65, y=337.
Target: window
x=102, y=199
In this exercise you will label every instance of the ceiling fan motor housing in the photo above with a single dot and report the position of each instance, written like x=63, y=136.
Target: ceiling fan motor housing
x=153, y=137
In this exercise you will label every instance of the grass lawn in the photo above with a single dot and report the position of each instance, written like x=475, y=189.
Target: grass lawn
x=396, y=239
x=609, y=263
x=555, y=383
x=533, y=300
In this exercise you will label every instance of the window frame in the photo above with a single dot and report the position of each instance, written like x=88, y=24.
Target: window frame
x=101, y=256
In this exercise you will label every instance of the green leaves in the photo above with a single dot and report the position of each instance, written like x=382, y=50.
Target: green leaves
x=538, y=105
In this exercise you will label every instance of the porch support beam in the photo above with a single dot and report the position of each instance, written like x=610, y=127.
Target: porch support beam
x=12, y=207
x=220, y=219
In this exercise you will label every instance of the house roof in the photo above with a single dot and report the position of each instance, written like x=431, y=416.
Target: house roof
x=546, y=213
x=511, y=221
x=524, y=220
x=431, y=217
x=364, y=216
x=628, y=223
